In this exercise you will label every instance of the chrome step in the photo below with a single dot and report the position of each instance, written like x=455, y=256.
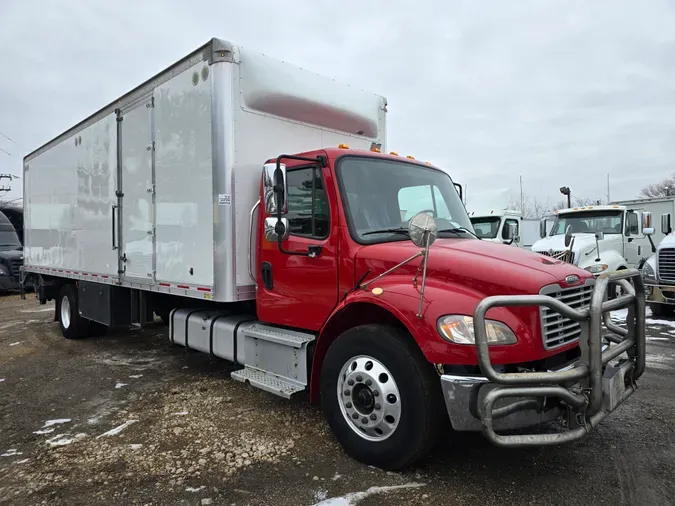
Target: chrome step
x=268, y=382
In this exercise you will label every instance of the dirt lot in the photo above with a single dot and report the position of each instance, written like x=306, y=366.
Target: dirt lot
x=130, y=419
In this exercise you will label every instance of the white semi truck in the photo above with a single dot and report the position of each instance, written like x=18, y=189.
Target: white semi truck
x=505, y=226
x=602, y=238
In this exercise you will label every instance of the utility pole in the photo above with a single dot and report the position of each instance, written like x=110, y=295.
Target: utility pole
x=522, y=197
x=608, y=199
x=6, y=189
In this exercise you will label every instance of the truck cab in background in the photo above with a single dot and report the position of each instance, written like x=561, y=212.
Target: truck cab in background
x=604, y=238
x=505, y=226
x=11, y=255
x=658, y=272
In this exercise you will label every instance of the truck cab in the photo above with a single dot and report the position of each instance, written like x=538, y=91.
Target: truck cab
x=499, y=226
x=11, y=255
x=658, y=272
x=604, y=238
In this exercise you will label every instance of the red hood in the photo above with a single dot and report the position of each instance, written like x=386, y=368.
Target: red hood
x=489, y=268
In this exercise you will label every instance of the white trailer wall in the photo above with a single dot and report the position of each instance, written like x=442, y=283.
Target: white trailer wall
x=282, y=109
x=69, y=191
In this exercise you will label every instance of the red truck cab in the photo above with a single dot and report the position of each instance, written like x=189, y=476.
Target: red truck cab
x=395, y=352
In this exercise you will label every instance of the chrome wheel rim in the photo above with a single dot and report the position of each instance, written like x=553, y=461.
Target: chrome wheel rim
x=65, y=312
x=369, y=398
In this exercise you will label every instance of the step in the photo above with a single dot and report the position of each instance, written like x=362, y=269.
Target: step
x=284, y=337
x=268, y=382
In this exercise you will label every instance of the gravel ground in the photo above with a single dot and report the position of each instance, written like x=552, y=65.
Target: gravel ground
x=131, y=419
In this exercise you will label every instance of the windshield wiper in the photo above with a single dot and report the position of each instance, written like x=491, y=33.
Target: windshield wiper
x=399, y=230
x=458, y=230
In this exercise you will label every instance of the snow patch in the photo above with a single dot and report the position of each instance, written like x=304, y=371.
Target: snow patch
x=354, y=497
x=58, y=421
x=2, y=379
x=180, y=413
x=11, y=453
x=120, y=385
x=136, y=376
x=41, y=310
x=666, y=323
x=16, y=343
x=658, y=339
x=117, y=430
x=65, y=439
x=24, y=461
x=44, y=431
x=195, y=489
x=136, y=446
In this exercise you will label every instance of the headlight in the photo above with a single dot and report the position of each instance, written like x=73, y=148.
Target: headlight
x=648, y=272
x=459, y=330
x=4, y=271
x=596, y=268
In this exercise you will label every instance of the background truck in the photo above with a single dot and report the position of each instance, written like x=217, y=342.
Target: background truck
x=606, y=238
x=658, y=271
x=505, y=226
x=249, y=204
x=11, y=255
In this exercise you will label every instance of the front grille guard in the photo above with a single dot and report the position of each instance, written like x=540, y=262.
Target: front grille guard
x=586, y=405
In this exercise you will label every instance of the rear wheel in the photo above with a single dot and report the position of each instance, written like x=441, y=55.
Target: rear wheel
x=73, y=326
x=381, y=397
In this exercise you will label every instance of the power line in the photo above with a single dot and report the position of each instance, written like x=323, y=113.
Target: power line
x=8, y=138
x=6, y=152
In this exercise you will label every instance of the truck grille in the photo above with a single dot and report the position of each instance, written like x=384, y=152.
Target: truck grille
x=15, y=266
x=556, y=329
x=559, y=255
x=666, y=264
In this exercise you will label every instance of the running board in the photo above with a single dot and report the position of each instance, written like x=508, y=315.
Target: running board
x=276, y=360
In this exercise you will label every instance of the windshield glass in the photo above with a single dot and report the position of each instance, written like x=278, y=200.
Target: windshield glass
x=384, y=194
x=486, y=227
x=8, y=237
x=589, y=222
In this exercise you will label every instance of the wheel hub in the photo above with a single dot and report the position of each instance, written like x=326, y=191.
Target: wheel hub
x=65, y=312
x=369, y=398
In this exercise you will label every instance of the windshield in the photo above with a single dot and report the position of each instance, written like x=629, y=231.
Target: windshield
x=589, y=222
x=8, y=237
x=385, y=194
x=486, y=227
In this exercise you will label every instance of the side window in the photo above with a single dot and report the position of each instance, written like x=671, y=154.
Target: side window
x=506, y=227
x=308, y=214
x=632, y=225
x=414, y=199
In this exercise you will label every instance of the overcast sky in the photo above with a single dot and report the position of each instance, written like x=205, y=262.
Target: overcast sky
x=560, y=92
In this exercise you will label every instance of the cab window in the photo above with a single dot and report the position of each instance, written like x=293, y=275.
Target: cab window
x=308, y=214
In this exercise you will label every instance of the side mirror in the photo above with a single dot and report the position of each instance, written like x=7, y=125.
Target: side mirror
x=542, y=228
x=275, y=188
x=511, y=231
x=275, y=228
x=422, y=230
x=568, y=236
x=665, y=224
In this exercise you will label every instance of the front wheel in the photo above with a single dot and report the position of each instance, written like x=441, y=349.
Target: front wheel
x=381, y=397
x=661, y=309
x=73, y=326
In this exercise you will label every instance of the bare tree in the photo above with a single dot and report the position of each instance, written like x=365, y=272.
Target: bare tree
x=531, y=208
x=663, y=188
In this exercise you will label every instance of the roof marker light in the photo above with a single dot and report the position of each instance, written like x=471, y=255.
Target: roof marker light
x=375, y=149
x=411, y=157
x=393, y=153
x=343, y=146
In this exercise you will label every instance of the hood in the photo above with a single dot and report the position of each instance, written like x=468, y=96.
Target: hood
x=667, y=242
x=491, y=269
x=11, y=254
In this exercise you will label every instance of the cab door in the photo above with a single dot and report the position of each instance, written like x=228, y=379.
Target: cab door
x=632, y=250
x=294, y=288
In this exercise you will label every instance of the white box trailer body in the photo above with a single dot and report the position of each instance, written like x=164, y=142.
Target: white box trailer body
x=155, y=190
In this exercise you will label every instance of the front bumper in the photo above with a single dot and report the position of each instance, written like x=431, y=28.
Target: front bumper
x=660, y=294
x=579, y=396
x=8, y=283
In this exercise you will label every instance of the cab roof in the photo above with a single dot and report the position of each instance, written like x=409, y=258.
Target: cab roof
x=581, y=209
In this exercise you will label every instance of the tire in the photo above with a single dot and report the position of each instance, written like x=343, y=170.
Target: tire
x=416, y=410
x=163, y=315
x=73, y=326
x=661, y=309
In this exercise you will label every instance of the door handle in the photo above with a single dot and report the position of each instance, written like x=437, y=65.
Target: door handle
x=114, y=246
x=314, y=251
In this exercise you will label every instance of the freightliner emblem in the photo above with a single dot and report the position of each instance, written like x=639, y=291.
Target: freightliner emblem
x=572, y=278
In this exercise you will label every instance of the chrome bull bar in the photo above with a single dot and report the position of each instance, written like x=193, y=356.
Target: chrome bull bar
x=590, y=390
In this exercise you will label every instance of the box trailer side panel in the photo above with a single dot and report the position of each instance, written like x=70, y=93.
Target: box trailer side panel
x=280, y=108
x=70, y=194
x=184, y=176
